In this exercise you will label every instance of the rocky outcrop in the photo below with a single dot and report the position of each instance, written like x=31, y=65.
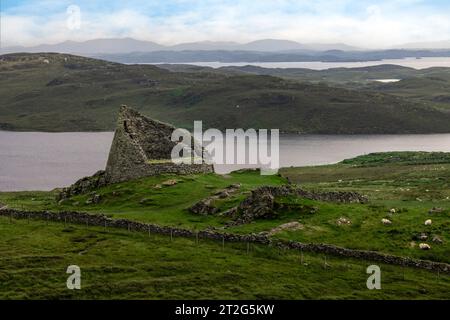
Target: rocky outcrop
x=83, y=185
x=206, y=206
x=262, y=202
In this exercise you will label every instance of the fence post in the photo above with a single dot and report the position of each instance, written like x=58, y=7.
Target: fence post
x=196, y=238
x=149, y=231
x=171, y=234
x=223, y=242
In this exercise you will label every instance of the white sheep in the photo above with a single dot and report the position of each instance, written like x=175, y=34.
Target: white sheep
x=428, y=222
x=424, y=246
x=393, y=210
x=386, y=221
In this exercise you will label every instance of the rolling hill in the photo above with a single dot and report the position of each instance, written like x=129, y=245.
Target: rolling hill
x=430, y=85
x=61, y=92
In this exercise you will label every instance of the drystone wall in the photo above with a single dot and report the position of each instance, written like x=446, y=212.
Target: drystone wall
x=103, y=221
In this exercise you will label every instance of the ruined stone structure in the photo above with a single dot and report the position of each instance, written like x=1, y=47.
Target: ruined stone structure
x=141, y=147
x=261, y=202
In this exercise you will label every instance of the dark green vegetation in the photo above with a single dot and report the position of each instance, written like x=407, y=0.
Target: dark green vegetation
x=430, y=87
x=57, y=92
x=116, y=264
x=406, y=157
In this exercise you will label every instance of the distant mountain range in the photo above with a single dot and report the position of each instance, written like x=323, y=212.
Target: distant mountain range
x=128, y=50
x=128, y=45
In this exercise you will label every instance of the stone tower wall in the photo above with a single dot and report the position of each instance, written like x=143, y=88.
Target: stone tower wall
x=137, y=141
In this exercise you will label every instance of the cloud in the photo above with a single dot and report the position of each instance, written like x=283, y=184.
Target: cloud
x=362, y=23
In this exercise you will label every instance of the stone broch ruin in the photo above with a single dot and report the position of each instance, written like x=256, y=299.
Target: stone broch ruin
x=141, y=147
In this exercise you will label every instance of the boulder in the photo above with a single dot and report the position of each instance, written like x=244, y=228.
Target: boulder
x=204, y=207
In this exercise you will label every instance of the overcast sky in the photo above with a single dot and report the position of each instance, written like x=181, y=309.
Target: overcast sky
x=363, y=23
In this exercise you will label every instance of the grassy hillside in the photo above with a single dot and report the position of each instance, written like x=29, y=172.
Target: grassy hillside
x=56, y=92
x=120, y=264
x=412, y=188
x=429, y=86
x=116, y=264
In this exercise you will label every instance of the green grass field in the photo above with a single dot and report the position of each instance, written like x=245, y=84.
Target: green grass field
x=410, y=183
x=117, y=264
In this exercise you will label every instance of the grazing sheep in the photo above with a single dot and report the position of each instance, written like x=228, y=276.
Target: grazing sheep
x=424, y=246
x=386, y=221
x=393, y=210
x=428, y=222
x=423, y=236
x=343, y=221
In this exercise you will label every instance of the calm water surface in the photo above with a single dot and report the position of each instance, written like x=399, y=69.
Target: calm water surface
x=43, y=161
x=422, y=63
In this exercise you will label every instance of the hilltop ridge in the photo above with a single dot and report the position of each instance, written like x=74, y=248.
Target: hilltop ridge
x=61, y=92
